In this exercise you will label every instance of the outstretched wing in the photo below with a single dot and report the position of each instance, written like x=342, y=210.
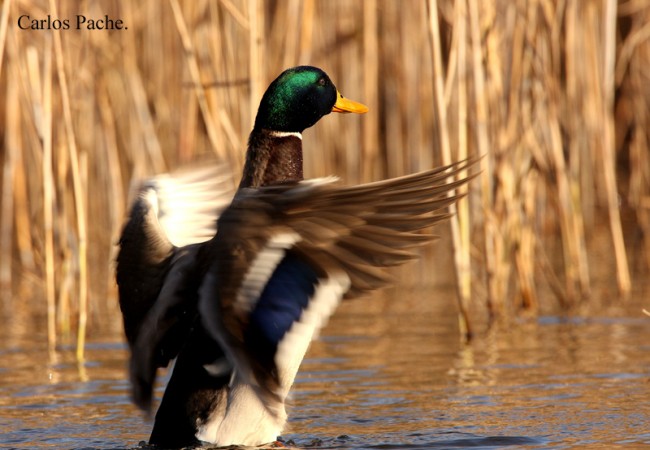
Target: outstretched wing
x=158, y=264
x=170, y=211
x=288, y=254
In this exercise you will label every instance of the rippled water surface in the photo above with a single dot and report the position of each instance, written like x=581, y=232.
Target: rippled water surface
x=388, y=372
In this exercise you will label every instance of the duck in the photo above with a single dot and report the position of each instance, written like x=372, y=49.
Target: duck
x=234, y=285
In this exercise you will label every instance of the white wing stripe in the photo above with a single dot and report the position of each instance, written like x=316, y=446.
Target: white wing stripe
x=261, y=270
x=293, y=346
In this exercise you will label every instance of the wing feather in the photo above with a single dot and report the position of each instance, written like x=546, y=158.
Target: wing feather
x=169, y=211
x=158, y=267
x=342, y=233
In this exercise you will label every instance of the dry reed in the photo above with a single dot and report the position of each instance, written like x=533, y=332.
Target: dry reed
x=552, y=93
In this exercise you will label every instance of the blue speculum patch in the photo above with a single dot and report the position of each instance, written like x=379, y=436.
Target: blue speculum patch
x=281, y=303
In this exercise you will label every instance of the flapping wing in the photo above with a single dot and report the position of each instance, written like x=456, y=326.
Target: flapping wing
x=159, y=265
x=288, y=254
x=170, y=211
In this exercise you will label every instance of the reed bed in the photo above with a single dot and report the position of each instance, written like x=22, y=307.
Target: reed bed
x=553, y=94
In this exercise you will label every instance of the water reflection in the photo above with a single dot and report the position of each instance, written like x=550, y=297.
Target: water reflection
x=388, y=372
x=553, y=381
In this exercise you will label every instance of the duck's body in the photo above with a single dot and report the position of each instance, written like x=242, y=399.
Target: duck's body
x=241, y=308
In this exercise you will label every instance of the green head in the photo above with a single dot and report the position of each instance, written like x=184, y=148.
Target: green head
x=298, y=98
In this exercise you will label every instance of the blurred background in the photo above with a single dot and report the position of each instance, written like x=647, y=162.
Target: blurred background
x=553, y=93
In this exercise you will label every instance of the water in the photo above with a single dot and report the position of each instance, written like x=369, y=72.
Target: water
x=387, y=373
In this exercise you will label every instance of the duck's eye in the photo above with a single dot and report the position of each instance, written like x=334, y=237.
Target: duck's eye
x=322, y=82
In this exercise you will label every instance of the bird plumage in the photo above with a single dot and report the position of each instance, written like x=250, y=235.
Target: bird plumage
x=157, y=230
x=258, y=274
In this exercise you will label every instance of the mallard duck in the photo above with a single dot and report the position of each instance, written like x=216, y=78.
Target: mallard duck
x=240, y=309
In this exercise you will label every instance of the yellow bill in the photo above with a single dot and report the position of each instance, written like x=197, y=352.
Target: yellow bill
x=345, y=105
